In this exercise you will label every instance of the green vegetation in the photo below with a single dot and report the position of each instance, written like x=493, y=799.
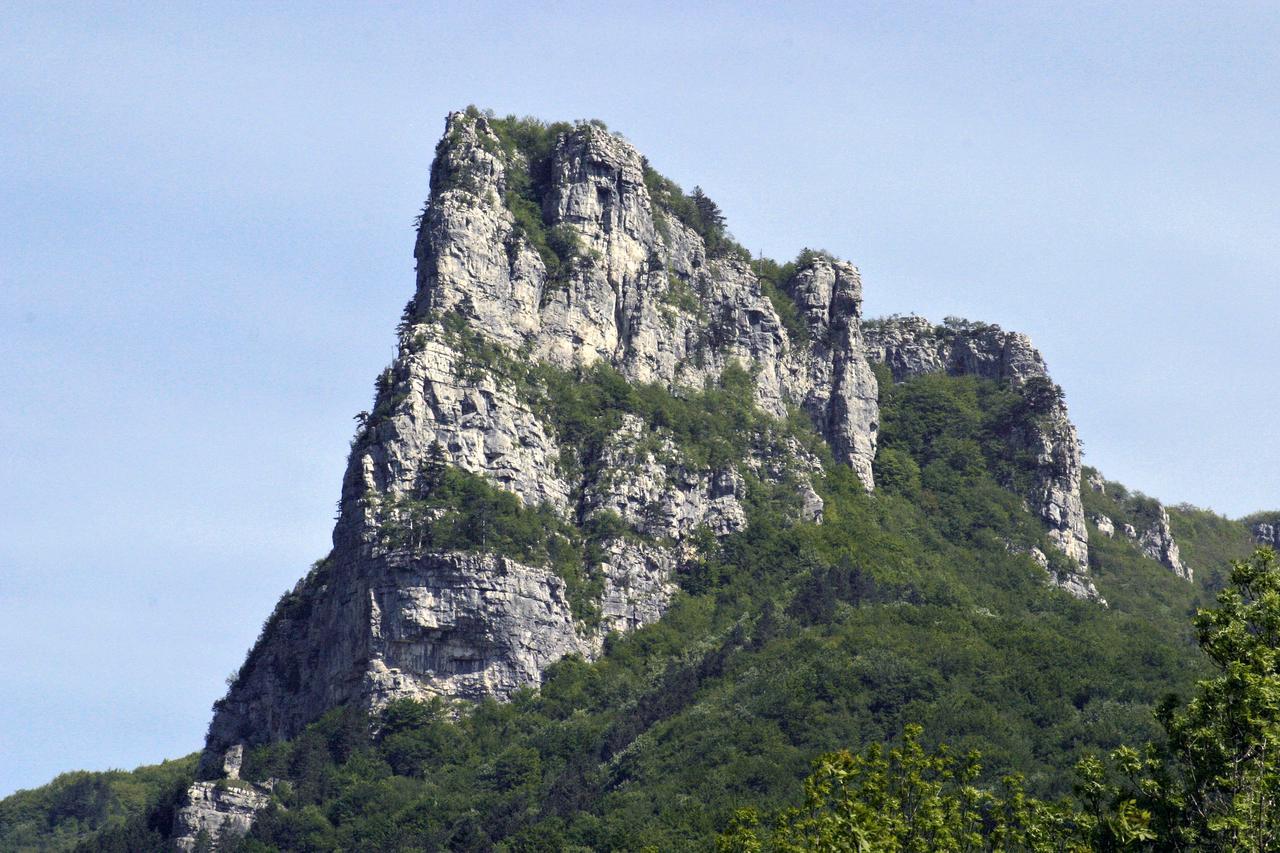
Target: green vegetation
x=960, y=430
x=388, y=393
x=75, y=806
x=1211, y=783
x=905, y=798
x=787, y=641
x=1209, y=542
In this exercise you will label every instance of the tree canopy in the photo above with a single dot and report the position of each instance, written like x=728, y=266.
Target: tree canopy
x=1212, y=783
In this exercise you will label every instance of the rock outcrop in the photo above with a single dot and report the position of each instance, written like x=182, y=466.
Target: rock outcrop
x=374, y=627
x=1157, y=542
x=1149, y=529
x=1156, y=539
x=912, y=346
x=1266, y=533
x=215, y=811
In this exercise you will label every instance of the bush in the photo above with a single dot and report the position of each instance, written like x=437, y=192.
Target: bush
x=455, y=510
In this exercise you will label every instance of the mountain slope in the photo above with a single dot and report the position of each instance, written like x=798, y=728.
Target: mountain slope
x=790, y=640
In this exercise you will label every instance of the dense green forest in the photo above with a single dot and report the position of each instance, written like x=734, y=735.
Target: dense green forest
x=788, y=641
x=74, y=806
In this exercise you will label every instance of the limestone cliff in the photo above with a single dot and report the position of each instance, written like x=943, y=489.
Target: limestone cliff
x=633, y=287
x=913, y=346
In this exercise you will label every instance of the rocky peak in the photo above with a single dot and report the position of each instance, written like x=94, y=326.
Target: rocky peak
x=624, y=280
x=554, y=246
x=828, y=293
x=598, y=189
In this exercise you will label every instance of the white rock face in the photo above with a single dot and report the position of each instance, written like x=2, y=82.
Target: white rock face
x=1105, y=525
x=218, y=809
x=912, y=346
x=1265, y=533
x=642, y=295
x=1157, y=542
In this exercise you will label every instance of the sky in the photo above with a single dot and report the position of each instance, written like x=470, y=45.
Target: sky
x=207, y=243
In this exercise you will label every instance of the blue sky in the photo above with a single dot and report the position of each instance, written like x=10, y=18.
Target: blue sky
x=207, y=244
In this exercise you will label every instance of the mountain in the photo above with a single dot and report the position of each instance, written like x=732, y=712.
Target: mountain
x=637, y=525
x=625, y=294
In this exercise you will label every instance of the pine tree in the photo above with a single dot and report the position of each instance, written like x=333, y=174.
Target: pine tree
x=709, y=216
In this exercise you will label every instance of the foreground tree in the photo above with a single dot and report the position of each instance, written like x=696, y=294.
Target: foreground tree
x=1217, y=785
x=908, y=799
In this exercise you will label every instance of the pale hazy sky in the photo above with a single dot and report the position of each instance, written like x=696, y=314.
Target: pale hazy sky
x=206, y=245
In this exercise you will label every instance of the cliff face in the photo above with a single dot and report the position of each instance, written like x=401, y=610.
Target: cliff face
x=638, y=292
x=606, y=273
x=912, y=346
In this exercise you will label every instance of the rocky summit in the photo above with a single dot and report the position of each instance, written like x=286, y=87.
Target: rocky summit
x=555, y=267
